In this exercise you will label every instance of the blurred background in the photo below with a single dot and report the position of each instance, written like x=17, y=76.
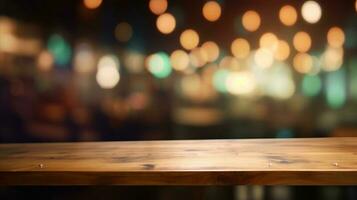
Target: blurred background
x=100, y=70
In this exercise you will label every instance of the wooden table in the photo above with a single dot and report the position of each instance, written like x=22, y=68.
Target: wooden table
x=318, y=161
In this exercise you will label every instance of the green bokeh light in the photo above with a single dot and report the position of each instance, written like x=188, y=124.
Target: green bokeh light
x=219, y=80
x=60, y=49
x=336, y=89
x=159, y=65
x=311, y=85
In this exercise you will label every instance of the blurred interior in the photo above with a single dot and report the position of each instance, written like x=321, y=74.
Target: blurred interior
x=100, y=70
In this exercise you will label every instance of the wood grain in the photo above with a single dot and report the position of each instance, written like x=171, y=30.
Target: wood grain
x=320, y=161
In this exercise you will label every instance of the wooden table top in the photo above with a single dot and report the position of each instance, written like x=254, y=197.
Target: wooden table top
x=320, y=161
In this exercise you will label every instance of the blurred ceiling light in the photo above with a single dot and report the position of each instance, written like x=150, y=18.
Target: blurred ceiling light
x=45, y=61
x=123, y=32
x=158, y=6
x=311, y=12
x=108, y=74
x=251, y=20
x=189, y=39
x=332, y=59
x=159, y=65
x=179, y=60
x=84, y=59
x=211, y=49
x=240, y=48
x=240, y=83
x=229, y=62
x=303, y=63
x=269, y=41
x=198, y=57
x=283, y=51
x=302, y=41
x=134, y=61
x=60, y=49
x=356, y=5
x=263, y=57
x=166, y=23
x=211, y=11
x=335, y=37
x=92, y=4
x=288, y=15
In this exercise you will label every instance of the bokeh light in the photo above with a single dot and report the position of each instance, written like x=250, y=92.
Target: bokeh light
x=179, y=60
x=302, y=41
x=288, y=15
x=159, y=65
x=158, y=6
x=269, y=41
x=263, y=57
x=283, y=51
x=189, y=39
x=335, y=89
x=311, y=85
x=303, y=63
x=211, y=11
x=229, y=62
x=45, y=61
x=240, y=83
x=278, y=82
x=84, y=58
x=123, y=32
x=251, y=20
x=311, y=12
x=134, y=61
x=198, y=57
x=211, y=49
x=166, y=23
x=219, y=80
x=335, y=37
x=240, y=48
x=60, y=49
x=92, y=4
x=108, y=73
x=332, y=59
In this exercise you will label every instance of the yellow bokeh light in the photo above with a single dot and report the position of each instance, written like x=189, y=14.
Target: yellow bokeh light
x=263, y=57
x=288, y=15
x=211, y=11
x=123, y=32
x=166, y=23
x=303, y=63
x=179, y=60
x=335, y=37
x=240, y=83
x=283, y=51
x=311, y=12
x=189, y=39
x=198, y=57
x=92, y=4
x=229, y=62
x=240, y=48
x=158, y=6
x=269, y=41
x=45, y=61
x=302, y=41
x=251, y=20
x=211, y=49
x=332, y=59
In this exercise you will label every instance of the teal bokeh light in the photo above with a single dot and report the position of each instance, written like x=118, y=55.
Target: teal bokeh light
x=60, y=49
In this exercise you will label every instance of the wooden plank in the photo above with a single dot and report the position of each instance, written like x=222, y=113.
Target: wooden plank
x=320, y=161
